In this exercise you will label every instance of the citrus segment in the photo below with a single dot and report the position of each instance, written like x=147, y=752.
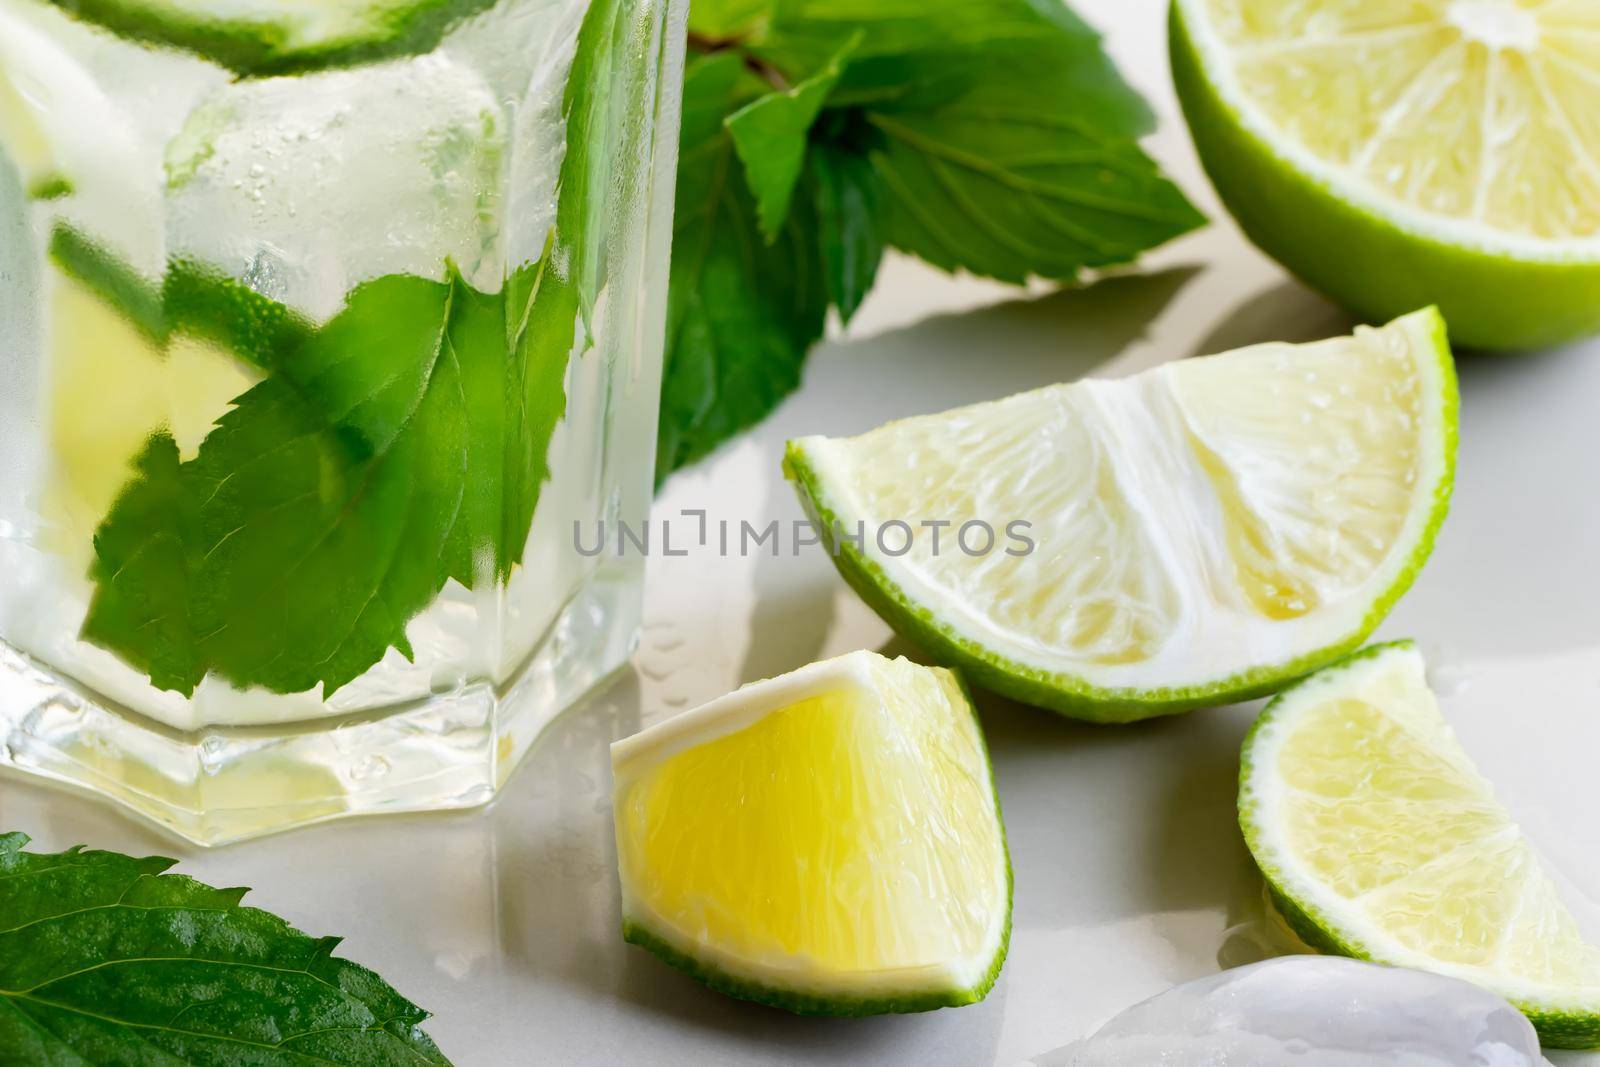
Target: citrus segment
x=1188, y=536
x=828, y=841
x=1381, y=840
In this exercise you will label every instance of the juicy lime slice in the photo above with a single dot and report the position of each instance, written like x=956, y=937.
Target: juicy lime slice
x=1200, y=533
x=112, y=386
x=282, y=36
x=1379, y=839
x=1396, y=153
x=827, y=842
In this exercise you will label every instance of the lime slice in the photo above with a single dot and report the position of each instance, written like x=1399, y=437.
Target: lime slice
x=282, y=36
x=828, y=842
x=1396, y=153
x=1200, y=533
x=1380, y=840
x=110, y=388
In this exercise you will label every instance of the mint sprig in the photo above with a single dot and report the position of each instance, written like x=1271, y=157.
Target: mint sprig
x=108, y=959
x=991, y=136
x=402, y=444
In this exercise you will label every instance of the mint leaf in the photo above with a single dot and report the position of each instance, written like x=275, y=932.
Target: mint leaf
x=107, y=959
x=402, y=444
x=993, y=136
x=770, y=137
x=545, y=316
x=1013, y=193
x=713, y=21
x=849, y=208
x=741, y=311
x=1005, y=137
x=597, y=121
x=315, y=516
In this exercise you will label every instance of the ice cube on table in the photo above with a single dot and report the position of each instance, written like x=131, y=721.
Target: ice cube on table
x=306, y=186
x=1316, y=1011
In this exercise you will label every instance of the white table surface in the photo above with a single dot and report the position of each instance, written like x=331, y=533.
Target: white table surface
x=1130, y=870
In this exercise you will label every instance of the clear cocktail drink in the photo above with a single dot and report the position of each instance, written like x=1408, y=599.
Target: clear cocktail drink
x=321, y=325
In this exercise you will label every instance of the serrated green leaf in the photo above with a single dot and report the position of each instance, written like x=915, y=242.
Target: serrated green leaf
x=741, y=311
x=1010, y=194
x=107, y=959
x=993, y=136
x=849, y=196
x=1024, y=161
x=322, y=503
x=402, y=444
x=770, y=135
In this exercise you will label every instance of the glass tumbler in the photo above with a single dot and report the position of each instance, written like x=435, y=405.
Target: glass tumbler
x=323, y=329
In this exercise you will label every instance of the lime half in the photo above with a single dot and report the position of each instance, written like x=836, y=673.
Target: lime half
x=1396, y=153
x=1380, y=840
x=1199, y=533
x=827, y=842
x=281, y=36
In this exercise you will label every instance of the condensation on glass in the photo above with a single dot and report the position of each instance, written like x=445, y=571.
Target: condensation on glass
x=306, y=375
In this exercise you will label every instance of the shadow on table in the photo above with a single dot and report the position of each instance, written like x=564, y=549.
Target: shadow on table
x=1285, y=311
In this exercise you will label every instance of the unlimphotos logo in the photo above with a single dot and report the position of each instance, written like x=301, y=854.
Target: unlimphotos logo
x=891, y=537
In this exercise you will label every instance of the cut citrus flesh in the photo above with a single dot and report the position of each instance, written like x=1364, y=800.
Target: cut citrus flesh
x=1380, y=839
x=1410, y=150
x=827, y=842
x=1480, y=116
x=1201, y=532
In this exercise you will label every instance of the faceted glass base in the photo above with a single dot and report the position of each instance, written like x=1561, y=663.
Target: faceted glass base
x=220, y=784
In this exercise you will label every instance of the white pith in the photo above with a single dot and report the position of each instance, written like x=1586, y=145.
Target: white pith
x=1137, y=429
x=1501, y=27
x=1265, y=795
x=861, y=672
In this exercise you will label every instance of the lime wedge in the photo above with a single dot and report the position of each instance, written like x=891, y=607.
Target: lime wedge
x=828, y=842
x=1200, y=533
x=1380, y=840
x=281, y=36
x=1396, y=153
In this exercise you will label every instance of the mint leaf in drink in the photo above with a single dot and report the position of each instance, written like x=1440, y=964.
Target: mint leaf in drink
x=742, y=311
x=315, y=515
x=123, y=287
x=143, y=571
x=401, y=444
x=1009, y=193
x=597, y=120
x=109, y=959
x=770, y=137
x=992, y=136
